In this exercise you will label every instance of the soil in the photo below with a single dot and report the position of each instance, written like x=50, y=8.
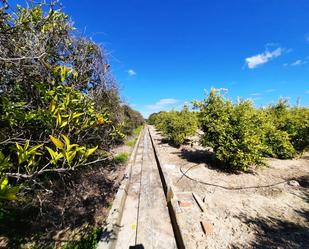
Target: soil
x=64, y=212
x=266, y=208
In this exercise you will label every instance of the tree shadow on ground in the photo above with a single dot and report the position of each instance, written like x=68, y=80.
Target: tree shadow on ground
x=276, y=233
x=74, y=201
x=197, y=156
x=302, y=191
x=166, y=141
x=305, y=157
x=204, y=156
x=303, y=181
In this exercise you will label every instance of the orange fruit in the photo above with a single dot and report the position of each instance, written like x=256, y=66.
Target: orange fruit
x=101, y=120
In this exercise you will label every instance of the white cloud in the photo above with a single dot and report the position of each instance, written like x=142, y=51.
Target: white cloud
x=307, y=91
x=271, y=44
x=255, y=94
x=255, y=99
x=270, y=90
x=162, y=103
x=298, y=62
x=259, y=59
x=131, y=72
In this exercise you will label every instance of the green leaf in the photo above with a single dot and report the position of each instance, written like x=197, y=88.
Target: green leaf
x=19, y=147
x=63, y=74
x=52, y=153
x=9, y=193
x=90, y=151
x=65, y=123
x=81, y=149
x=58, y=119
x=4, y=162
x=3, y=183
x=10, y=196
x=52, y=106
x=26, y=145
x=70, y=156
x=66, y=139
x=76, y=115
x=56, y=142
x=34, y=149
x=31, y=162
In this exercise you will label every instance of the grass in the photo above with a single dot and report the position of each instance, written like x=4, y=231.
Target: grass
x=135, y=133
x=137, y=130
x=131, y=143
x=121, y=157
x=87, y=242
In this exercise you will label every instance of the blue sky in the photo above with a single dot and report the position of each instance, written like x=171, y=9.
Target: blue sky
x=167, y=52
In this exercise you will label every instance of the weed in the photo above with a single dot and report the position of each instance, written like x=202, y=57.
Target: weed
x=87, y=242
x=121, y=157
x=131, y=143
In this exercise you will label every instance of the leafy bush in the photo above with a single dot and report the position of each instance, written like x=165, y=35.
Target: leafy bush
x=152, y=119
x=241, y=135
x=132, y=120
x=292, y=120
x=277, y=143
x=231, y=130
x=176, y=126
x=59, y=104
x=60, y=111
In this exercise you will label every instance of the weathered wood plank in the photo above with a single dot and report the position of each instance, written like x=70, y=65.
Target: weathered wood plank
x=127, y=233
x=154, y=226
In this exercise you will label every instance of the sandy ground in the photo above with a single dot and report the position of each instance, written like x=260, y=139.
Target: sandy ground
x=276, y=216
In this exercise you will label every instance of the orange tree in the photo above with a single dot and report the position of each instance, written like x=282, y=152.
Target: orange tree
x=59, y=104
x=241, y=135
x=176, y=126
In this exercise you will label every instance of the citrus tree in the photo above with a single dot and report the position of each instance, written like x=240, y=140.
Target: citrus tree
x=176, y=126
x=241, y=135
x=59, y=104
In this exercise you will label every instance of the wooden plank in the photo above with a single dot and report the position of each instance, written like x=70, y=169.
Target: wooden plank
x=113, y=221
x=127, y=233
x=154, y=226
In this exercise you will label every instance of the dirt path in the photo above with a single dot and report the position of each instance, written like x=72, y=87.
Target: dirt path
x=261, y=217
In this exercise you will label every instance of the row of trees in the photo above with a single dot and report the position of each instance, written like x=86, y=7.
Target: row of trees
x=59, y=104
x=239, y=134
x=176, y=126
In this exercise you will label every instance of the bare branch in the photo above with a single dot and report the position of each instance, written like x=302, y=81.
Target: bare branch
x=23, y=58
x=56, y=170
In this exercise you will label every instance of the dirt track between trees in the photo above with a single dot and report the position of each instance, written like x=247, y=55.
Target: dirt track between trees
x=276, y=216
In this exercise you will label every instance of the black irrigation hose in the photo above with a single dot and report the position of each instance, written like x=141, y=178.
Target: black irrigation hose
x=224, y=187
